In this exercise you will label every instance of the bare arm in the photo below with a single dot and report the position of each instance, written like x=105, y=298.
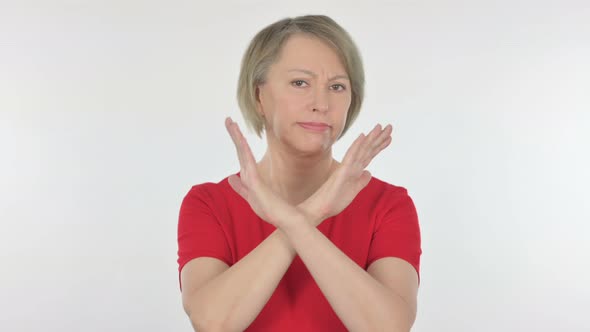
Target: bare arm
x=375, y=301
x=360, y=301
x=233, y=299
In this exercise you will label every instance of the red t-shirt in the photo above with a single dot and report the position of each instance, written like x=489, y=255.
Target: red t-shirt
x=381, y=221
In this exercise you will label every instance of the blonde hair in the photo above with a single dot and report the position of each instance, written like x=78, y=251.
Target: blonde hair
x=266, y=46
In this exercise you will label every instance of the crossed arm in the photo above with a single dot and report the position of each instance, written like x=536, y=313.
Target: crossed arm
x=383, y=298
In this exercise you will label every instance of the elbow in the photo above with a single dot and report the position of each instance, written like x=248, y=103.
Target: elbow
x=393, y=323
x=400, y=325
x=388, y=326
x=400, y=319
x=199, y=321
x=201, y=324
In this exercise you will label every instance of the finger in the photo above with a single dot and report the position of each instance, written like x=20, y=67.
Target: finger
x=236, y=183
x=380, y=148
x=360, y=149
x=248, y=155
x=373, y=139
x=383, y=143
x=383, y=136
x=353, y=150
x=244, y=153
x=363, y=180
x=375, y=132
x=230, y=125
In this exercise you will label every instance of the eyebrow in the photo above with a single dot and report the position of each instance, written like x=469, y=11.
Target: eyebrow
x=310, y=73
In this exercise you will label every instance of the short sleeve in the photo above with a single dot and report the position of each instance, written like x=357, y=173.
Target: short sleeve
x=397, y=234
x=199, y=231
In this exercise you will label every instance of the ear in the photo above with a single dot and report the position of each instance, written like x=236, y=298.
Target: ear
x=259, y=108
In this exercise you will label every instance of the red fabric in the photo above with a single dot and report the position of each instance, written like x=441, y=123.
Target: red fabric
x=381, y=221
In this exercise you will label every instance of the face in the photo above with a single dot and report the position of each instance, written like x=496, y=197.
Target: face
x=305, y=97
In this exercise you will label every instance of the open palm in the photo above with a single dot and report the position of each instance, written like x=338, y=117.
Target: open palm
x=349, y=178
x=261, y=198
x=330, y=199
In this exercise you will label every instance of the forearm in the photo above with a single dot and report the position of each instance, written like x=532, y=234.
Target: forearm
x=233, y=299
x=359, y=300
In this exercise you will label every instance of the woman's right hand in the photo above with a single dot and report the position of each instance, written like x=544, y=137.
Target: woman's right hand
x=348, y=179
x=268, y=206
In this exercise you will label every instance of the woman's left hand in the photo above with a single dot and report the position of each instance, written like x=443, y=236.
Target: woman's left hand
x=261, y=198
x=349, y=178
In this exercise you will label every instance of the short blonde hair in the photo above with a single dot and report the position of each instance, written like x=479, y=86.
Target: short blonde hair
x=265, y=47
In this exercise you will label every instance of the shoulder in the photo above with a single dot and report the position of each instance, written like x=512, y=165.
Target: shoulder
x=381, y=189
x=210, y=193
x=384, y=198
x=213, y=199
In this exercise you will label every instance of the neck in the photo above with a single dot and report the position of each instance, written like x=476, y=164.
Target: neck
x=295, y=178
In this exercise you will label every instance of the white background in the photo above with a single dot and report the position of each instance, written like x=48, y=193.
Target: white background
x=111, y=110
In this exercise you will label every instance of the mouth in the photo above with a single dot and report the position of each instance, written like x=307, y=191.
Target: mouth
x=314, y=126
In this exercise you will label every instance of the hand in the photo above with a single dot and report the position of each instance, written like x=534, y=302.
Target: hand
x=349, y=178
x=261, y=198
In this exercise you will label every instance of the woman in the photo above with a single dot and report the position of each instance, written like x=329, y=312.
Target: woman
x=299, y=241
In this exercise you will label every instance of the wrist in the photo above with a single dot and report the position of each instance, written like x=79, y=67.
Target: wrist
x=297, y=226
x=290, y=216
x=313, y=216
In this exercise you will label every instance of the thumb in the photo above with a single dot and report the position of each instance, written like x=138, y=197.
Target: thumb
x=236, y=183
x=363, y=180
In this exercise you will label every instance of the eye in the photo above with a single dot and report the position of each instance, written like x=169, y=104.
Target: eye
x=298, y=83
x=339, y=87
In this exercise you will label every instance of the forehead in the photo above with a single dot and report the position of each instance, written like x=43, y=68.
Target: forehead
x=307, y=52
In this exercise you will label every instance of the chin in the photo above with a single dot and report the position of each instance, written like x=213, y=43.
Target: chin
x=311, y=146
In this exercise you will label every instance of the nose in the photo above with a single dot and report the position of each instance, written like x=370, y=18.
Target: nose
x=320, y=101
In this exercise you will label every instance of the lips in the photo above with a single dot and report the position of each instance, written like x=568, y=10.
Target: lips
x=314, y=126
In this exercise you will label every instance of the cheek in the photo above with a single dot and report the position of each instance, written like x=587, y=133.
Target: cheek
x=344, y=101
x=342, y=105
x=288, y=107
x=295, y=100
x=282, y=115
